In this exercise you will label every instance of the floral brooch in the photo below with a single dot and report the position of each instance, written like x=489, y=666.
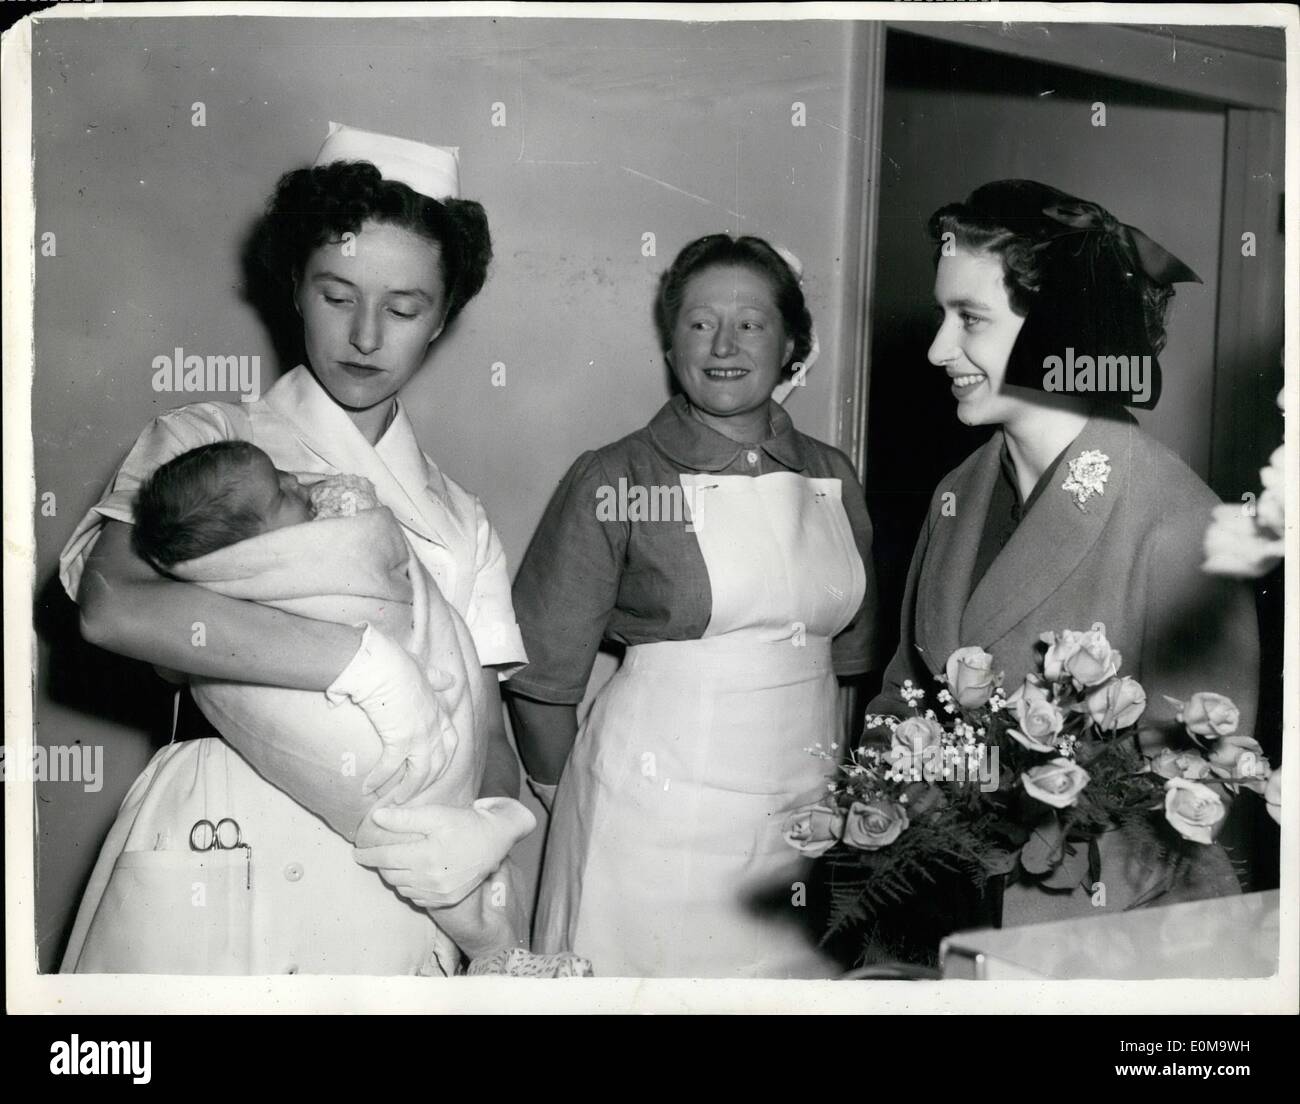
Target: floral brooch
x=1088, y=474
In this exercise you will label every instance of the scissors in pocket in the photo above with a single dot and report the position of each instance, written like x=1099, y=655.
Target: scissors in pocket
x=225, y=835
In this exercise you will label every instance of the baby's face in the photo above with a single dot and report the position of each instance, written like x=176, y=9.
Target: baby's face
x=278, y=496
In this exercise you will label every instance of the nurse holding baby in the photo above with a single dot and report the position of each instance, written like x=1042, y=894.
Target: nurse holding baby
x=378, y=254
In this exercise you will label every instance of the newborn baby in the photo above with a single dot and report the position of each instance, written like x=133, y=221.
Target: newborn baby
x=219, y=494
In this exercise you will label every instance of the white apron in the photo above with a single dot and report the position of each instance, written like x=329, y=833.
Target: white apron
x=153, y=905
x=665, y=856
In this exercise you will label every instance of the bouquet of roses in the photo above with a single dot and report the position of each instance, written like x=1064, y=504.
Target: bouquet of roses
x=1024, y=783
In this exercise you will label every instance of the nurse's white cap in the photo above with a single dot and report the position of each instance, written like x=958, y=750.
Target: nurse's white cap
x=433, y=171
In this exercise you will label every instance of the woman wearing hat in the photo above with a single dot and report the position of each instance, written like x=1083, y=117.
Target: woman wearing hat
x=730, y=553
x=1070, y=514
x=378, y=254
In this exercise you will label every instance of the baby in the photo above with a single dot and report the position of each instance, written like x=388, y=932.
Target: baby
x=219, y=494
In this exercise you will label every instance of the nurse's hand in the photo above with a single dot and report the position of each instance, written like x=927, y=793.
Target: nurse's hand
x=417, y=736
x=453, y=849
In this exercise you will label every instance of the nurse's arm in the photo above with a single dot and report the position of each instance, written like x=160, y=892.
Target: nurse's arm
x=501, y=772
x=545, y=733
x=128, y=608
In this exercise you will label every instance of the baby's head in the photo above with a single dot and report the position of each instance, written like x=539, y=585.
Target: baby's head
x=211, y=497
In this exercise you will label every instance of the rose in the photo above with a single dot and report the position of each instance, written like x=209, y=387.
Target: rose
x=1270, y=510
x=1193, y=809
x=1117, y=704
x=1241, y=761
x=911, y=740
x=872, y=825
x=970, y=676
x=1273, y=796
x=1087, y=657
x=814, y=829
x=1060, y=647
x=1094, y=660
x=1058, y=783
x=1208, y=716
x=1236, y=544
x=1179, y=764
x=1039, y=721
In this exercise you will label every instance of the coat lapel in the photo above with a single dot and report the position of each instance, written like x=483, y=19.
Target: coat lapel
x=1050, y=543
x=322, y=427
x=950, y=560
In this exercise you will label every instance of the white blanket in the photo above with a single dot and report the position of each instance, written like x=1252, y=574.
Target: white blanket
x=345, y=570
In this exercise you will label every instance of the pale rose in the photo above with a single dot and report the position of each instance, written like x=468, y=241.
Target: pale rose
x=1193, y=809
x=814, y=829
x=1060, y=647
x=970, y=676
x=1117, y=705
x=1236, y=545
x=1038, y=721
x=1179, y=764
x=1240, y=759
x=873, y=825
x=1270, y=510
x=910, y=741
x=1209, y=716
x=1094, y=660
x=1273, y=796
x=1058, y=783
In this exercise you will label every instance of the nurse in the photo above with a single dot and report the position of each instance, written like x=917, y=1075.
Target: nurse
x=378, y=255
x=1070, y=514
x=730, y=553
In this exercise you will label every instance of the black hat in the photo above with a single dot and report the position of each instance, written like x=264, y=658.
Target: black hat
x=1087, y=311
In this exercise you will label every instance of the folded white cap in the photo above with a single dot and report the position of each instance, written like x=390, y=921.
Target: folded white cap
x=433, y=171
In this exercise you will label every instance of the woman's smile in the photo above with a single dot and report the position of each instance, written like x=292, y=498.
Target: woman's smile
x=963, y=385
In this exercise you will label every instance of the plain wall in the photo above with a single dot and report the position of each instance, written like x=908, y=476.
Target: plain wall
x=614, y=130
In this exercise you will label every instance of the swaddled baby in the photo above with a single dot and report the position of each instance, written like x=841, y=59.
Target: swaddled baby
x=220, y=495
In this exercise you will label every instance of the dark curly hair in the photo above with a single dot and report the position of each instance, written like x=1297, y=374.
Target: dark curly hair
x=1020, y=243
x=722, y=250
x=195, y=504
x=311, y=207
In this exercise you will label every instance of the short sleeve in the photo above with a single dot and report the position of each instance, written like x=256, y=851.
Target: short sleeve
x=854, y=649
x=567, y=587
x=490, y=616
x=167, y=436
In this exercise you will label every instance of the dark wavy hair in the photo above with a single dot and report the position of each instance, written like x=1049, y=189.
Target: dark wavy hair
x=195, y=504
x=311, y=207
x=755, y=254
x=1020, y=249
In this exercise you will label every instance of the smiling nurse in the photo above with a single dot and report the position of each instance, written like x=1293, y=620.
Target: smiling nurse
x=665, y=856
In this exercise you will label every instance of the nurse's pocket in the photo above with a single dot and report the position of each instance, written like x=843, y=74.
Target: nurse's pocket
x=173, y=912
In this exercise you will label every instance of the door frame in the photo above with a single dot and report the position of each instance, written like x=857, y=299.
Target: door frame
x=1240, y=69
